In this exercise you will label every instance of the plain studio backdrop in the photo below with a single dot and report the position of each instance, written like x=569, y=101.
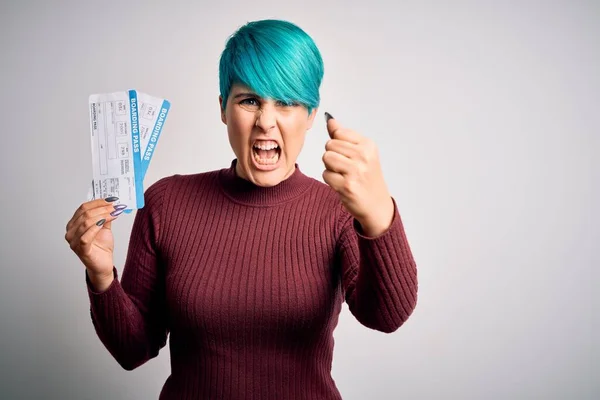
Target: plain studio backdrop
x=486, y=115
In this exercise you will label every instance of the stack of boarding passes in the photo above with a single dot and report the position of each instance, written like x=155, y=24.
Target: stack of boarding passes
x=125, y=128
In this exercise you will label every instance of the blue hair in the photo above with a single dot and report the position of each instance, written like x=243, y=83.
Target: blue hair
x=274, y=58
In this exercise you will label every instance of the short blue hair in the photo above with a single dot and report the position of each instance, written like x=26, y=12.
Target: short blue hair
x=274, y=58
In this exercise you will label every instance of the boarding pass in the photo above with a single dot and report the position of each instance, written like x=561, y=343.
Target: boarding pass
x=125, y=128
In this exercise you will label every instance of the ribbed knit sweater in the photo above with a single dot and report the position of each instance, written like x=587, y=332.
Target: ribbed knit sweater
x=248, y=283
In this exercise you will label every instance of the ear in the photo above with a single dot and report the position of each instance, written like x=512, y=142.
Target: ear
x=311, y=117
x=223, y=116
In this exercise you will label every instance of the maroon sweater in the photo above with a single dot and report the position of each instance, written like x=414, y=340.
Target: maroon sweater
x=248, y=282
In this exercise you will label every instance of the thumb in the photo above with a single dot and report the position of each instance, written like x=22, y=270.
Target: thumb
x=332, y=124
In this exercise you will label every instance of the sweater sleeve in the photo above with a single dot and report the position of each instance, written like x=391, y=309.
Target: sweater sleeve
x=379, y=275
x=130, y=315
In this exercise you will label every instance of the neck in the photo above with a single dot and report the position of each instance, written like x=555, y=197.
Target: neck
x=241, y=190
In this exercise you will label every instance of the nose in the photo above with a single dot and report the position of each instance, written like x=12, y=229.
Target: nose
x=266, y=118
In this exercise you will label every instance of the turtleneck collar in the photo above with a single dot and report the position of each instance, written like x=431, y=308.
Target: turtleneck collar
x=244, y=191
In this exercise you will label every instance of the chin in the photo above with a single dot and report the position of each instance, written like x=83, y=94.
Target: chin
x=264, y=174
x=268, y=178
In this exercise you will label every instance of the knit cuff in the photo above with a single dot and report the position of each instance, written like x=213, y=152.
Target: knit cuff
x=395, y=225
x=92, y=292
x=104, y=306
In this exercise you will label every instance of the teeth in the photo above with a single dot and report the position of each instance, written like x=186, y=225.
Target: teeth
x=266, y=161
x=266, y=145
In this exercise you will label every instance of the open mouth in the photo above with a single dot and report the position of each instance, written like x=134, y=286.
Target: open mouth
x=266, y=152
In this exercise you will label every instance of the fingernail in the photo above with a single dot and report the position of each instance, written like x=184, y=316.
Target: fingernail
x=111, y=199
x=116, y=212
x=120, y=207
x=328, y=116
x=101, y=222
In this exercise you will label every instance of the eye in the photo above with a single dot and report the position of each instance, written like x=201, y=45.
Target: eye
x=250, y=101
x=251, y=104
x=282, y=103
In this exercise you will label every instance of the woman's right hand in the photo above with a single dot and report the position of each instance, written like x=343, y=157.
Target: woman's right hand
x=90, y=237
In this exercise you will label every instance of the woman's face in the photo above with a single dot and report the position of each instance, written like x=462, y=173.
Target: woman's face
x=265, y=135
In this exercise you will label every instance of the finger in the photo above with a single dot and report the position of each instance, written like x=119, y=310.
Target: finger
x=90, y=217
x=347, y=135
x=85, y=241
x=337, y=131
x=333, y=179
x=88, y=206
x=332, y=124
x=108, y=214
x=84, y=221
x=342, y=147
x=336, y=162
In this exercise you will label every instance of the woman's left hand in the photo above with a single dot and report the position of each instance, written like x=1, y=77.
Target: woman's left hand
x=353, y=170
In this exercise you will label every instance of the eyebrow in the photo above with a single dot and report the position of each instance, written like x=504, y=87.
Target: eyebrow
x=245, y=94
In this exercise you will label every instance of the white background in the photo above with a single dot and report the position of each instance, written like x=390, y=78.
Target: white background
x=487, y=119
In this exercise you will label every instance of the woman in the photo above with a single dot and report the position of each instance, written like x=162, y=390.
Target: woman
x=246, y=268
